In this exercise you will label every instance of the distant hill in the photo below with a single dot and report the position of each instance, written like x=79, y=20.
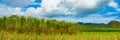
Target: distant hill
x=114, y=24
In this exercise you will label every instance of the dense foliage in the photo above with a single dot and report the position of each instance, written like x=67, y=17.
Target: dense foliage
x=114, y=24
x=23, y=24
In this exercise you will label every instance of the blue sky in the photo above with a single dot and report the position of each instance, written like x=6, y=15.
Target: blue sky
x=87, y=11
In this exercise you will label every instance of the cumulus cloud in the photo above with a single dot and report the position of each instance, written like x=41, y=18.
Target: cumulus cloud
x=86, y=6
x=56, y=8
x=73, y=7
x=62, y=7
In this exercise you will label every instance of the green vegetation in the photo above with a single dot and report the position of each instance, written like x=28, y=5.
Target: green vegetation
x=80, y=36
x=29, y=28
x=39, y=26
x=113, y=26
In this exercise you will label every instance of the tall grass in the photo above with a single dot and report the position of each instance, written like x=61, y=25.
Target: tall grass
x=23, y=24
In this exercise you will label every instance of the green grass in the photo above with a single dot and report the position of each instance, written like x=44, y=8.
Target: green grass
x=100, y=29
x=80, y=36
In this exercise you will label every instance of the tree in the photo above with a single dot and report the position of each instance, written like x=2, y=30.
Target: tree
x=114, y=24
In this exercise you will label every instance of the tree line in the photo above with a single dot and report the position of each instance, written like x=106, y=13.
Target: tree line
x=111, y=24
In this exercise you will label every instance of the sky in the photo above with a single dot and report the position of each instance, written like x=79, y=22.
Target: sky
x=87, y=11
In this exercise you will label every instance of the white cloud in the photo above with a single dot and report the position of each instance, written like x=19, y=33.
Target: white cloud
x=65, y=7
x=85, y=6
x=4, y=10
x=73, y=7
x=50, y=5
x=113, y=4
x=88, y=4
x=33, y=12
x=17, y=11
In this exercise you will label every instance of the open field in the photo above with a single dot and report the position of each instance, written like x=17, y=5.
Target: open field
x=80, y=36
x=29, y=28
